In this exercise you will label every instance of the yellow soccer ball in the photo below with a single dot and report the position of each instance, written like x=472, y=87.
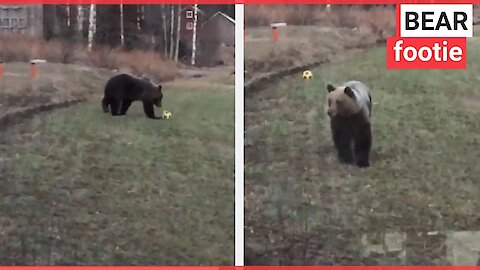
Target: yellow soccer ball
x=307, y=75
x=166, y=115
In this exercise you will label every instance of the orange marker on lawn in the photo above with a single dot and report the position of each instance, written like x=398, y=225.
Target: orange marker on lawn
x=1, y=69
x=274, y=34
x=33, y=70
x=275, y=27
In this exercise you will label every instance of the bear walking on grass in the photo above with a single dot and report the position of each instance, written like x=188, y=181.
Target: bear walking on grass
x=350, y=109
x=121, y=90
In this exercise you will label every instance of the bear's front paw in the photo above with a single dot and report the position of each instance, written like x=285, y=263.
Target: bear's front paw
x=363, y=163
x=346, y=159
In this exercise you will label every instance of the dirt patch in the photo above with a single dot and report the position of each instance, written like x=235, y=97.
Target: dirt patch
x=60, y=85
x=15, y=117
x=56, y=86
x=23, y=101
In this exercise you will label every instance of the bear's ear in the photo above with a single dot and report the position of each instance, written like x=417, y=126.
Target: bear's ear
x=330, y=87
x=159, y=87
x=349, y=92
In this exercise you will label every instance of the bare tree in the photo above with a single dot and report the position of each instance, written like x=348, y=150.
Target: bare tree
x=80, y=19
x=179, y=20
x=68, y=15
x=122, y=27
x=194, y=39
x=56, y=23
x=150, y=22
x=91, y=26
x=328, y=8
x=164, y=26
x=140, y=16
x=172, y=26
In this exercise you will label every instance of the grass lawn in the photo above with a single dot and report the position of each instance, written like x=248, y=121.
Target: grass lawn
x=298, y=45
x=79, y=187
x=303, y=207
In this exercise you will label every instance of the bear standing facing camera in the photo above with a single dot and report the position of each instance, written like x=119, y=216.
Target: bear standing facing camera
x=350, y=109
x=121, y=90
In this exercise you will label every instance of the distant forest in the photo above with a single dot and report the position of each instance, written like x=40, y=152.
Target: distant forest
x=152, y=27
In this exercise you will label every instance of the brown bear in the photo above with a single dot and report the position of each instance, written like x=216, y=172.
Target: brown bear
x=121, y=90
x=350, y=109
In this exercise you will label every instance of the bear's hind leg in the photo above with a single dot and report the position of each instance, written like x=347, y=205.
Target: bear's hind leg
x=363, y=144
x=126, y=104
x=342, y=139
x=149, y=110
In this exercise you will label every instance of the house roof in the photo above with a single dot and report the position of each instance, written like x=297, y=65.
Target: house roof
x=221, y=14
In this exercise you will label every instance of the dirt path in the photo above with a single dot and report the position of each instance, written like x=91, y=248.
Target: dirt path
x=60, y=86
x=299, y=45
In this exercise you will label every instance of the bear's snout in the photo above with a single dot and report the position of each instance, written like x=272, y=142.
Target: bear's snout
x=157, y=102
x=330, y=113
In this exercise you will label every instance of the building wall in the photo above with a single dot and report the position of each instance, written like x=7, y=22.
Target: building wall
x=186, y=30
x=217, y=35
x=221, y=30
x=213, y=34
x=21, y=19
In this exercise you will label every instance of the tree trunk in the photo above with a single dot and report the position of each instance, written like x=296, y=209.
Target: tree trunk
x=122, y=29
x=179, y=20
x=91, y=26
x=151, y=22
x=80, y=19
x=172, y=26
x=56, y=24
x=140, y=16
x=194, y=39
x=164, y=26
x=68, y=16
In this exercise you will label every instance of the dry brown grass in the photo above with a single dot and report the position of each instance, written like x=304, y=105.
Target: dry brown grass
x=312, y=33
x=55, y=83
x=261, y=15
x=22, y=49
x=300, y=45
x=375, y=18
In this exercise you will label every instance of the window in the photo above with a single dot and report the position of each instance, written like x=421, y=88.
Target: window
x=189, y=25
x=189, y=14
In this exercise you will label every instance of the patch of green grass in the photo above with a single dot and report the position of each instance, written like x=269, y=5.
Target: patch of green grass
x=82, y=187
x=303, y=207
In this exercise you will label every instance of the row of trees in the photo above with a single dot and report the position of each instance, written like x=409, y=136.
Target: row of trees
x=148, y=27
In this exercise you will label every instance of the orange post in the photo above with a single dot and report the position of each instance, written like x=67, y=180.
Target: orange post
x=274, y=34
x=34, y=70
x=244, y=35
x=1, y=69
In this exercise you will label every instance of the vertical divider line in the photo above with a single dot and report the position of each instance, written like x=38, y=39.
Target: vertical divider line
x=239, y=136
